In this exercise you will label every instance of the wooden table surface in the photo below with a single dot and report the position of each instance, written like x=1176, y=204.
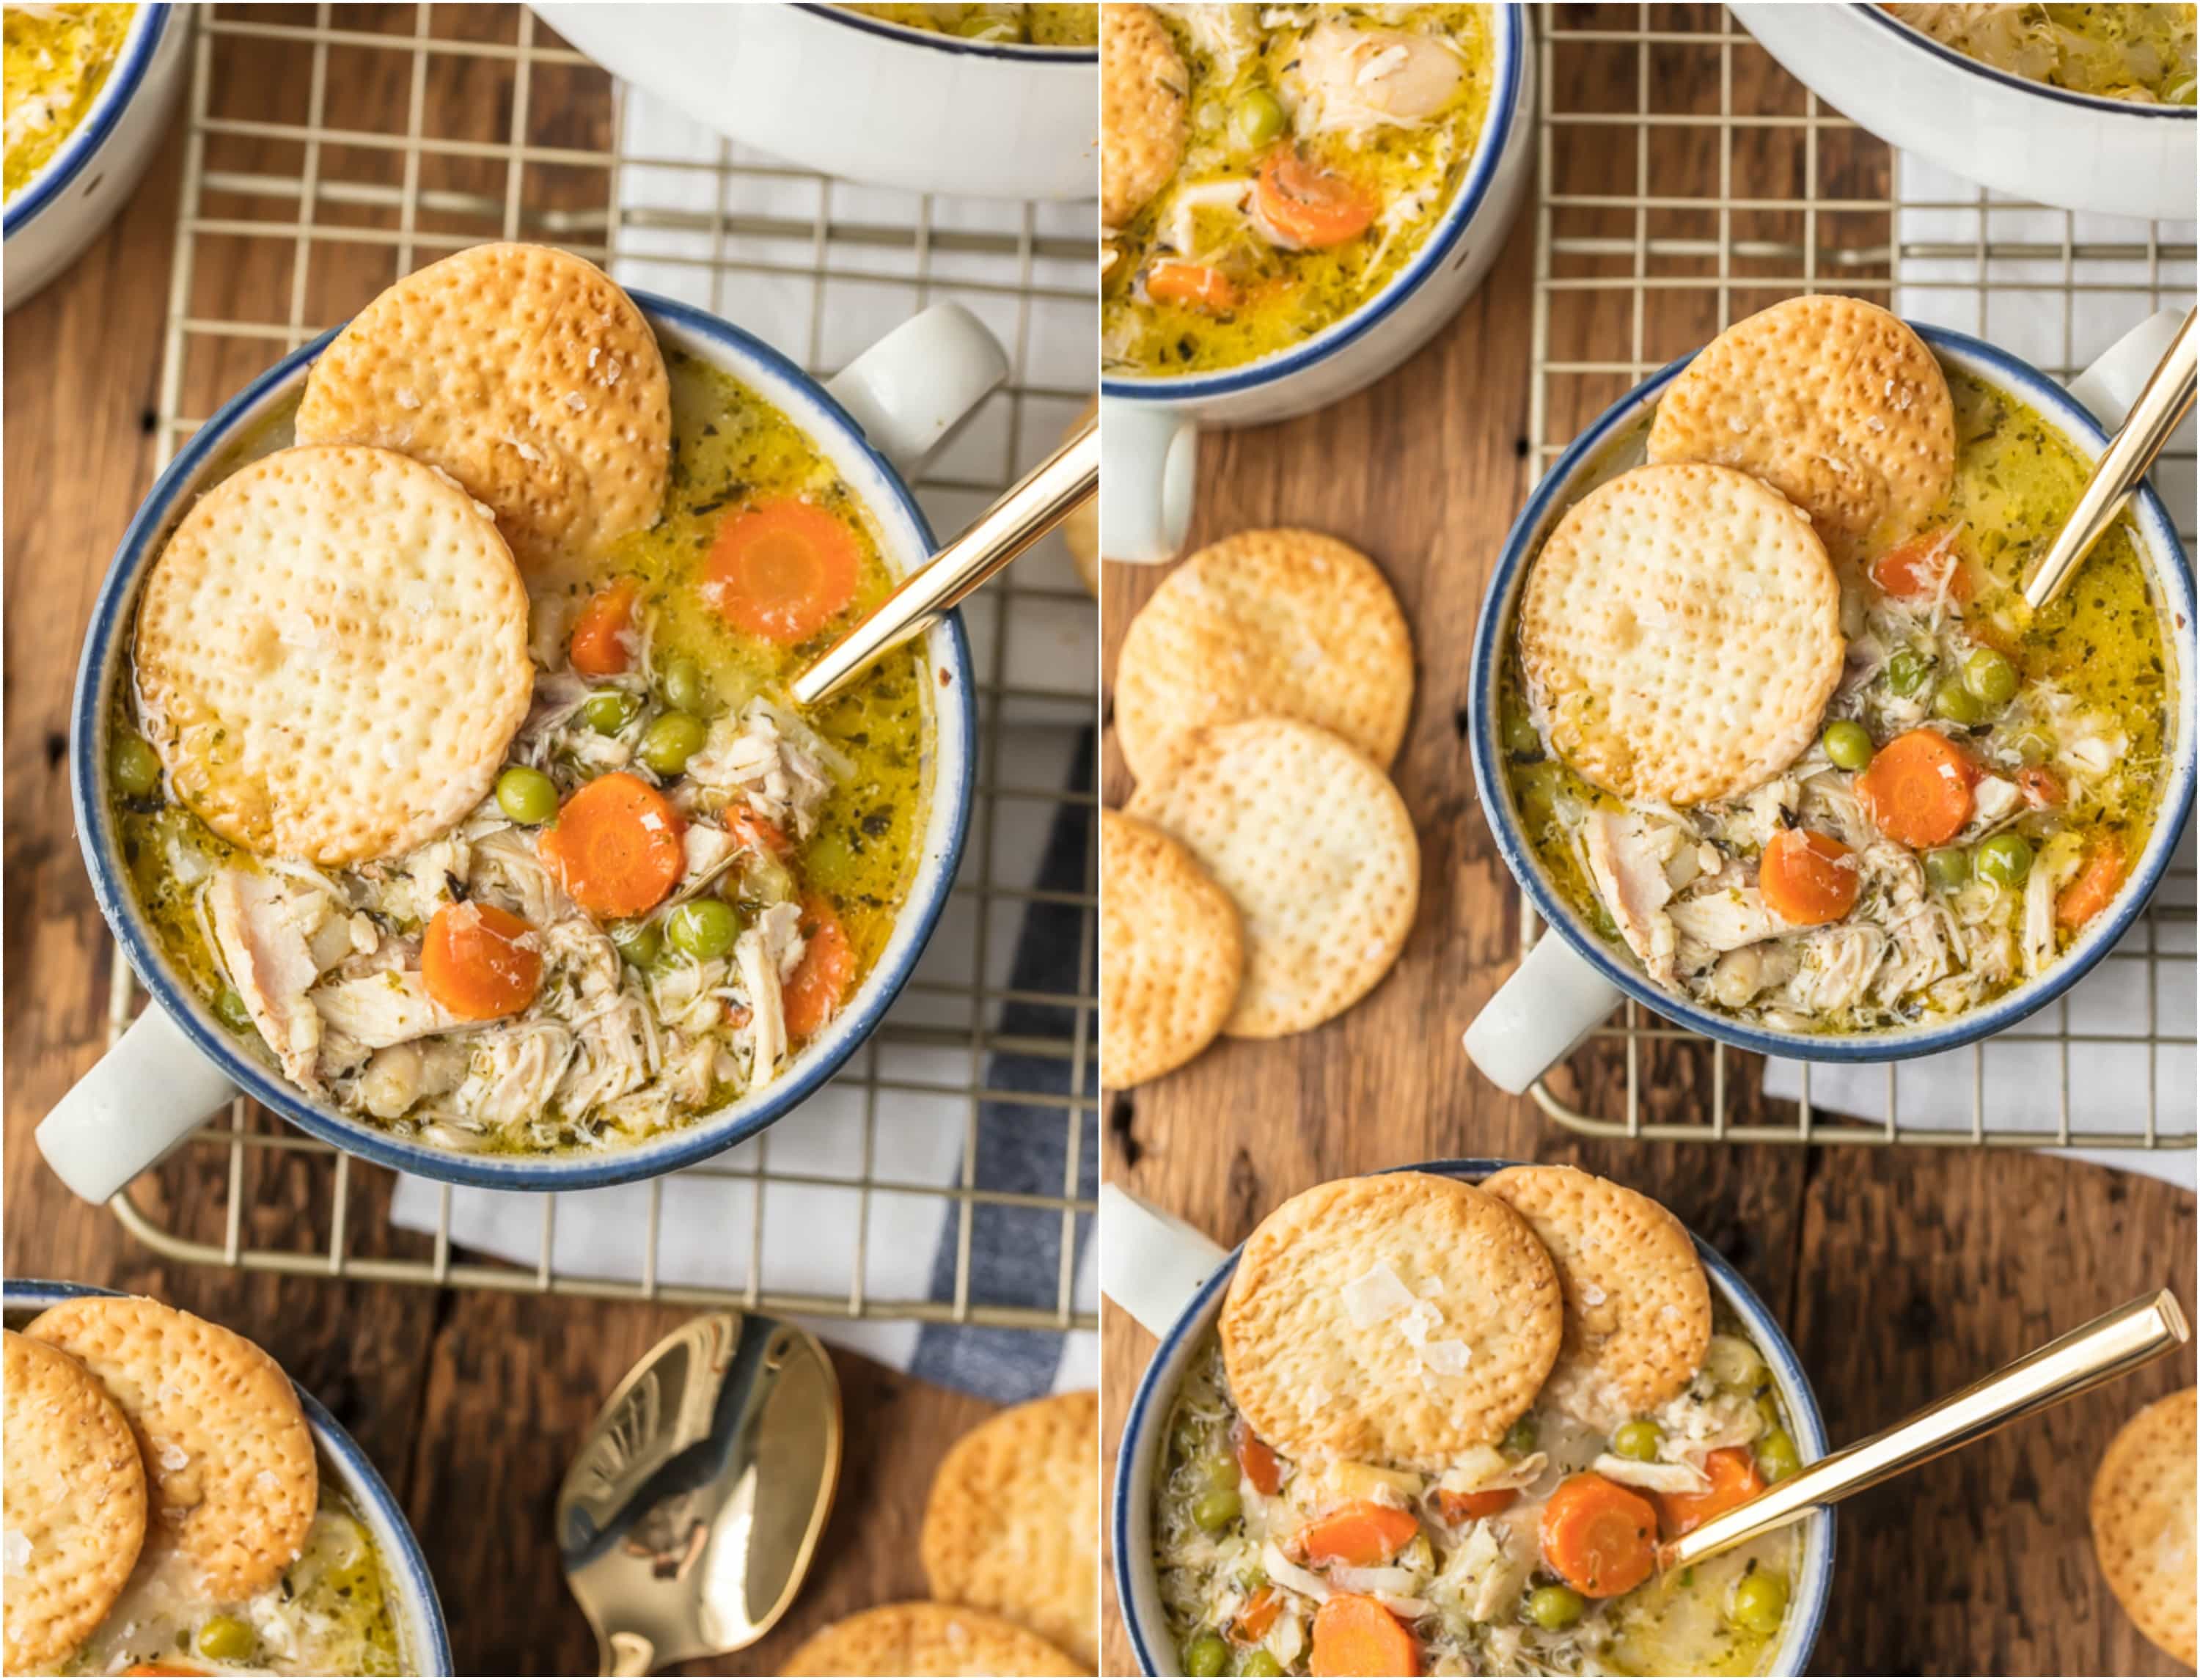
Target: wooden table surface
x=1901, y=1275
x=472, y=1404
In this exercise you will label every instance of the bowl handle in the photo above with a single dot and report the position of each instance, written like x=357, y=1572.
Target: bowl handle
x=1152, y=1263
x=920, y=382
x=2112, y=382
x=139, y=1101
x=1147, y=480
x=1553, y=1002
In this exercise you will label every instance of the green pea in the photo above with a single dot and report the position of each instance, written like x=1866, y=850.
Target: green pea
x=1554, y=1608
x=526, y=795
x=1220, y=1470
x=230, y=1008
x=2005, y=860
x=671, y=740
x=136, y=766
x=1958, y=705
x=1521, y=740
x=1847, y=744
x=1639, y=1440
x=703, y=927
x=1949, y=867
x=227, y=1639
x=1776, y=1457
x=1260, y=1662
x=1216, y=1508
x=1256, y=117
x=1990, y=676
x=1206, y=1654
x=639, y=942
x=681, y=682
x=1907, y=670
x=608, y=711
x=1760, y=1601
x=1520, y=1439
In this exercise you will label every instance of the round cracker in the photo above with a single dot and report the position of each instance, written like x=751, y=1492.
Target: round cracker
x=234, y=1479
x=1267, y=623
x=331, y=655
x=75, y=1497
x=1313, y=846
x=1172, y=953
x=1398, y=1320
x=1012, y=1523
x=1835, y=402
x=927, y=1639
x=2142, y=1510
x=523, y=373
x=1681, y=634
x=1638, y=1305
x=1142, y=90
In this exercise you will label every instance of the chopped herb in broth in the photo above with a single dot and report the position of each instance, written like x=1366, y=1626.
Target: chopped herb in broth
x=2142, y=54
x=58, y=59
x=2057, y=726
x=1060, y=25
x=660, y=684
x=1324, y=143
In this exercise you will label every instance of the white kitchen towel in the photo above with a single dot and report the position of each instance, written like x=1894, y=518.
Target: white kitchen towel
x=2020, y=1080
x=748, y=241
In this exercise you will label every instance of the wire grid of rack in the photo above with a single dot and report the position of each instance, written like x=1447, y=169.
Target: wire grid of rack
x=275, y=161
x=1685, y=181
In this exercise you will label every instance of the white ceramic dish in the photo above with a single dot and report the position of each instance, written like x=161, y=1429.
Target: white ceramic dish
x=2021, y=137
x=63, y=208
x=835, y=90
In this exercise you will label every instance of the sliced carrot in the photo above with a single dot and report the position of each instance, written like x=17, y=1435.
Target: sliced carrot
x=1258, y=1615
x=1599, y=1537
x=1918, y=788
x=1807, y=878
x=782, y=570
x=1914, y=570
x=1360, y=1534
x=1354, y=1634
x=480, y=962
x=2096, y=886
x=603, y=636
x=615, y=846
x=1734, y=1477
x=1193, y=284
x=2041, y=787
x=824, y=976
x=1310, y=205
x=1256, y=1462
x=1467, y=1507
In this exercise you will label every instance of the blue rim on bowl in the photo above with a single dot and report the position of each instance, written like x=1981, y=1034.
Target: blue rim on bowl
x=1509, y=34
x=106, y=644
x=401, y=1547
x=1027, y=52
x=2090, y=101
x=1556, y=490
x=1149, y=1407
x=138, y=47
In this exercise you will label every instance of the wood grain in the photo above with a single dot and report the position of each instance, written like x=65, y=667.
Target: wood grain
x=471, y=1404
x=1901, y=1276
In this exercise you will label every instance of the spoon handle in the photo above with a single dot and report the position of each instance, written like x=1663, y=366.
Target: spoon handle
x=1028, y=511
x=2166, y=399
x=2112, y=1344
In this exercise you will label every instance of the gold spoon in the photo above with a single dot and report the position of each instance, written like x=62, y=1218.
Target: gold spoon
x=692, y=1512
x=2166, y=398
x=1027, y=511
x=2131, y=1336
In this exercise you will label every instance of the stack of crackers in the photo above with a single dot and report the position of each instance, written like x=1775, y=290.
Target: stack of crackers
x=1012, y=1551
x=2143, y=1510
x=1265, y=874
x=134, y=1429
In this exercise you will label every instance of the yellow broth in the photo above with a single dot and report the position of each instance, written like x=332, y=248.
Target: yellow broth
x=1056, y=25
x=57, y=59
x=1285, y=296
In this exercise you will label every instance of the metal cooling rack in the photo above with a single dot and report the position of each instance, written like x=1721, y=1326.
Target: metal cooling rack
x=293, y=214
x=1685, y=181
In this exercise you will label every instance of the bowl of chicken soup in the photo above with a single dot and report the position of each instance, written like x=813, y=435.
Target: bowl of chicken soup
x=682, y=903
